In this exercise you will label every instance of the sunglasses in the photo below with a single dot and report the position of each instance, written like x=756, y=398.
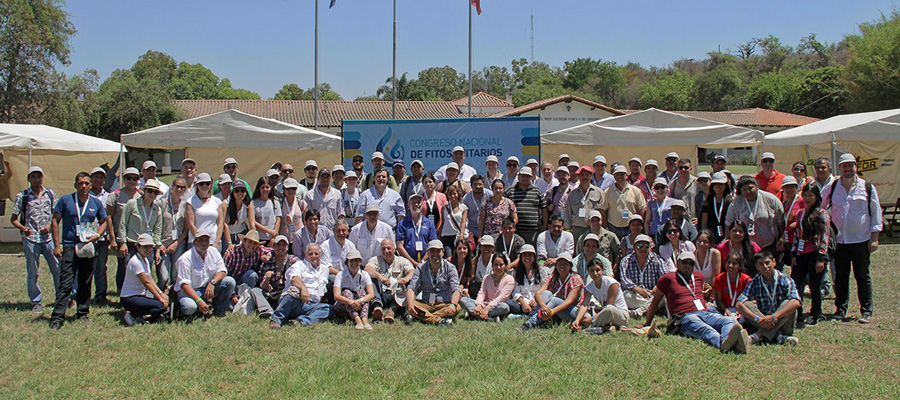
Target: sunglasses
x=240, y=190
x=688, y=262
x=231, y=166
x=204, y=183
x=702, y=180
x=131, y=178
x=356, y=161
x=287, y=171
x=180, y=186
x=768, y=161
x=671, y=231
x=800, y=169
x=684, y=167
x=151, y=191
x=642, y=246
x=660, y=187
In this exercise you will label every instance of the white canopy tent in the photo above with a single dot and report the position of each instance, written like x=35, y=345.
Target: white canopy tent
x=651, y=133
x=873, y=137
x=255, y=142
x=60, y=153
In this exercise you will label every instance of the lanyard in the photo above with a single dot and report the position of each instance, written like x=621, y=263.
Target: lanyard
x=787, y=212
x=660, y=206
x=80, y=211
x=506, y=246
x=685, y=283
x=731, y=292
x=417, y=228
x=774, y=291
x=717, y=207
x=143, y=211
x=434, y=278
x=462, y=270
x=563, y=285
x=755, y=208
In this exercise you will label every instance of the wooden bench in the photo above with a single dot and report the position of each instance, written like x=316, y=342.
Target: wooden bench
x=891, y=217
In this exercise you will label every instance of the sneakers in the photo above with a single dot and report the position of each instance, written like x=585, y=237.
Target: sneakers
x=522, y=328
x=83, y=318
x=838, y=316
x=790, y=340
x=653, y=332
x=594, y=330
x=37, y=308
x=754, y=339
x=265, y=314
x=497, y=319
x=446, y=322
x=129, y=320
x=743, y=343
x=865, y=319
x=733, y=336
x=274, y=325
x=409, y=319
x=812, y=320
x=55, y=325
x=388, y=316
x=360, y=327
x=377, y=314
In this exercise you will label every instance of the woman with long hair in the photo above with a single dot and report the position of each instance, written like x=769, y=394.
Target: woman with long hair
x=465, y=266
x=709, y=261
x=528, y=276
x=267, y=214
x=239, y=216
x=715, y=208
x=739, y=243
x=495, y=210
x=809, y=235
x=434, y=201
x=490, y=303
x=205, y=213
x=672, y=243
x=455, y=216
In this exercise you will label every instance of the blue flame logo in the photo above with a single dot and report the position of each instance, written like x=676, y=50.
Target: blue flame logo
x=391, y=148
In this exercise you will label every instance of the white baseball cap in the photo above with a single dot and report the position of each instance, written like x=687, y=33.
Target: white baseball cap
x=525, y=171
x=492, y=158
x=620, y=169
x=486, y=240
x=202, y=177
x=635, y=159
x=148, y=164
x=229, y=160
x=453, y=165
x=651, y=162
x=311, y=163
x=98, y=169
x=564, y=155
x=337, y=167
x=225, y=178
x=660, y=181
x=512, y=158
x=377, y=155
x=271, y=172
x=788, y=180
x=599, y=159
x=350, y=174
x=435, y=244
x=767, y=156
x=459, y=148
x=128, y=171
x=531, y=161
x=846, y=158
x=290, y=183
x=672, y=155
x=642, y=238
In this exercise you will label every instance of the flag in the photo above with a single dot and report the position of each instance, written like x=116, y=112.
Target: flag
x=333, y=1
x=476, y=3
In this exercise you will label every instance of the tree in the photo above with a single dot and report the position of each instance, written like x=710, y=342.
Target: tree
x=602, y=79
x=404, y=88
x=193, y=81
x=443, y=82
x=290, y=91
x=34, y=39
x=775, y=90
x=371, y=97
x=126, y=104
x=667, y=92
x=325, y=93
x=822, y=94
x=73, y=105
x=155, y=65
x=493, y=80
x=231, y=93
x=720, y=88
x=873, y=68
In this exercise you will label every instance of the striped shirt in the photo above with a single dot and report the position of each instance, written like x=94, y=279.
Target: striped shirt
x=529, y=203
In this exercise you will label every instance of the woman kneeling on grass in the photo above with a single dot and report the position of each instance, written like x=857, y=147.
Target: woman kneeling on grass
x=353, y=292
x=490, y=303
x=140, y=295
x=612, y=312
x=558, y=296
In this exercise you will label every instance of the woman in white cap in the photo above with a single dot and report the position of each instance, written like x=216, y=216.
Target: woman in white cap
x=350, y=197
x=455, y=217
x=495, y=210
x=141, y=297
x=528, y=276
x=115, y=205
x=292, y=208
x=493, y=170
x=558, y=297
x=353, y=291
x=174, y=234
x=635, y=228
x=267, y=215
x=490, y=303
x=143, y=215
x=205, y=212
x=715, y=208
x=239, y=215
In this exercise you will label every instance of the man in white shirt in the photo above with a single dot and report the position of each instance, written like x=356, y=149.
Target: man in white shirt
x=856, y=212
x=546, y=181
x=334, y=250
x=553, y=242
x=465, y=171
x=202, y=278
x=326, y=199
x=600, y=178
x=390, y=274
x=305, y=284
x=368, y=236
x=148, y=172
x=390, y=205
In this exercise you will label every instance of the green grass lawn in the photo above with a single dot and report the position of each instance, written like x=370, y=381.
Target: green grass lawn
x=239, y=357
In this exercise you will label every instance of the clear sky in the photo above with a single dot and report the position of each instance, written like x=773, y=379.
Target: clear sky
x=262, y=45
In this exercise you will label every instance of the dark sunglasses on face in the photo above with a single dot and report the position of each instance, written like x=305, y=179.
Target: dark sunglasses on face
x=642, y=246
x=151, y=191
x=204, y=183
x=131, y=178
x=180, y=186
x=240, y=190
x=512, y=165
x=684, y=167
x=287, y=171
x=798, y=169
x=230, y=166
x=671, y=231
x=767, y=161
x=310, y=169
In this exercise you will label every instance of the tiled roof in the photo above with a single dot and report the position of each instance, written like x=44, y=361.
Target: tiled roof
x=544, y=103
x=331, y=112
x=482, y=99
x=748, y=117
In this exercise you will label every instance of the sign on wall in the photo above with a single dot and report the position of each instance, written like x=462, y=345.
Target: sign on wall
x=432, y=140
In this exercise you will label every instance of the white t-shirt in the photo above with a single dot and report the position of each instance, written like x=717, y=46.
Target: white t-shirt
x=369, y=243
x=132, y=286
x=449, y=228
x=205, y=215
x=354, y=283
x=602, y=293
x=334, y=255
x=528, y=289
x=197, y=271
x=547, y=248
x=265, y=213
x=241, y=225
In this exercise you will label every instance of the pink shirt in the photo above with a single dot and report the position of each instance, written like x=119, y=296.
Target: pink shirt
x=495, y=294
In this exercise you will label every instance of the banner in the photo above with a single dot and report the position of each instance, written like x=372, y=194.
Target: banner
x=432, y=140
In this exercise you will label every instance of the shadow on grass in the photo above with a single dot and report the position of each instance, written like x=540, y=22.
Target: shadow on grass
x=19, y=306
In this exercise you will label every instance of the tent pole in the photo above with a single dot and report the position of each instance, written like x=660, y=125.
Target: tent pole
x=29, y=158
x=833, y=153
x=121, y=165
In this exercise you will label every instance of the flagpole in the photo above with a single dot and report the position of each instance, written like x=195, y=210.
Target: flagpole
x=394, y=73
x=316, y=74
x=469, y=4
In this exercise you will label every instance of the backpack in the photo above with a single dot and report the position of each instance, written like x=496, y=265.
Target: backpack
x=832, y=244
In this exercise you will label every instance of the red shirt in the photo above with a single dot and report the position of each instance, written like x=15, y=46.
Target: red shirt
x=722, y=285
x=679, y=297
x=771, y=185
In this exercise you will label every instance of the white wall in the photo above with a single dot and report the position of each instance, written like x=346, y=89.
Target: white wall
x=557, y=116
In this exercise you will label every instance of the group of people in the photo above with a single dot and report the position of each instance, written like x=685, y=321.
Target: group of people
x=594, y=246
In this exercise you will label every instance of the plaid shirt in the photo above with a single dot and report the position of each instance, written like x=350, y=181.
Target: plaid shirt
x=758, y=289
x=632, y=275
x=237, y=261
x=277, y=280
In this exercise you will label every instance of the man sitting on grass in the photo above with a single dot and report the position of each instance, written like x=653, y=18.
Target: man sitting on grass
x=202, y=278
x=301, y=303
x=436, y=279
x=683, y=291
x=769, y=303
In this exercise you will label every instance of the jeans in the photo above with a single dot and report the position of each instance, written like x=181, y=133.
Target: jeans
x=514, y=307
x=711, y=328
x=854, y=255
x=249, y=278
x=73, y=267
x=140, y=306
x=33, y=252
x=307, y=313
x=805, y=267
x=220, y=301
x=100, y=279
x=500, y=310
x=551, y=301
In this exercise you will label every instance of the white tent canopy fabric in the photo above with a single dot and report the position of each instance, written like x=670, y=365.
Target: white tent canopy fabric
x=646, y=134
x=873, y=137
x=60, y=153
x=254, y=141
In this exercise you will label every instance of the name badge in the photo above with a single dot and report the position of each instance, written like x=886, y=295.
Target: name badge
x=800, y=245
x=419, y=246
x=720, y=231
x=751, y=229
x=175, y=234
x=291, y=228
x=698, y=304
x=432, y=298
x=581, y=213
x=625, y=214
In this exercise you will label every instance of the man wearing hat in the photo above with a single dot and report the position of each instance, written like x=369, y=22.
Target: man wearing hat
x=563, y=160
x=683, y=292
x=304, y=290
x=337, y=177
x=350, y=197
x=368, y=235
x=620, y=202
x=600, y=178
x=651, y=167
x=77, y=223
x=359, y=162
x=591, y=247
x=581, y=201
x=230, y=167
x=273, y=178
x=679, y=218
x=639, y=271
x=546, y=181
x=310, y=169
x=493, y=170
x=609, y=243
x=703, y=180
x=32, y=214
x=660, y=208
x=634, y=168
x=512, y=171
x=436, y=279
x=369, y=180
x=243, y=262
x=671, y=171
x=399, y=169
x=465, y=171
x=202, y=279
x=415, y=231
x=530, y=206
x=148, y=172
x=685, y=187
x=768, y=178
x=558, y=195
x=390, y=205
x=856, y=213
x=98, y=179
x=390, y=274
x=268, y=293
x=326, y=199
x=413, y=183
x=286, y=171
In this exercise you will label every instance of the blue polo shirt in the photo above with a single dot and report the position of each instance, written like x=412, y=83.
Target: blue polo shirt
x=406, y=232
x=93, y=210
